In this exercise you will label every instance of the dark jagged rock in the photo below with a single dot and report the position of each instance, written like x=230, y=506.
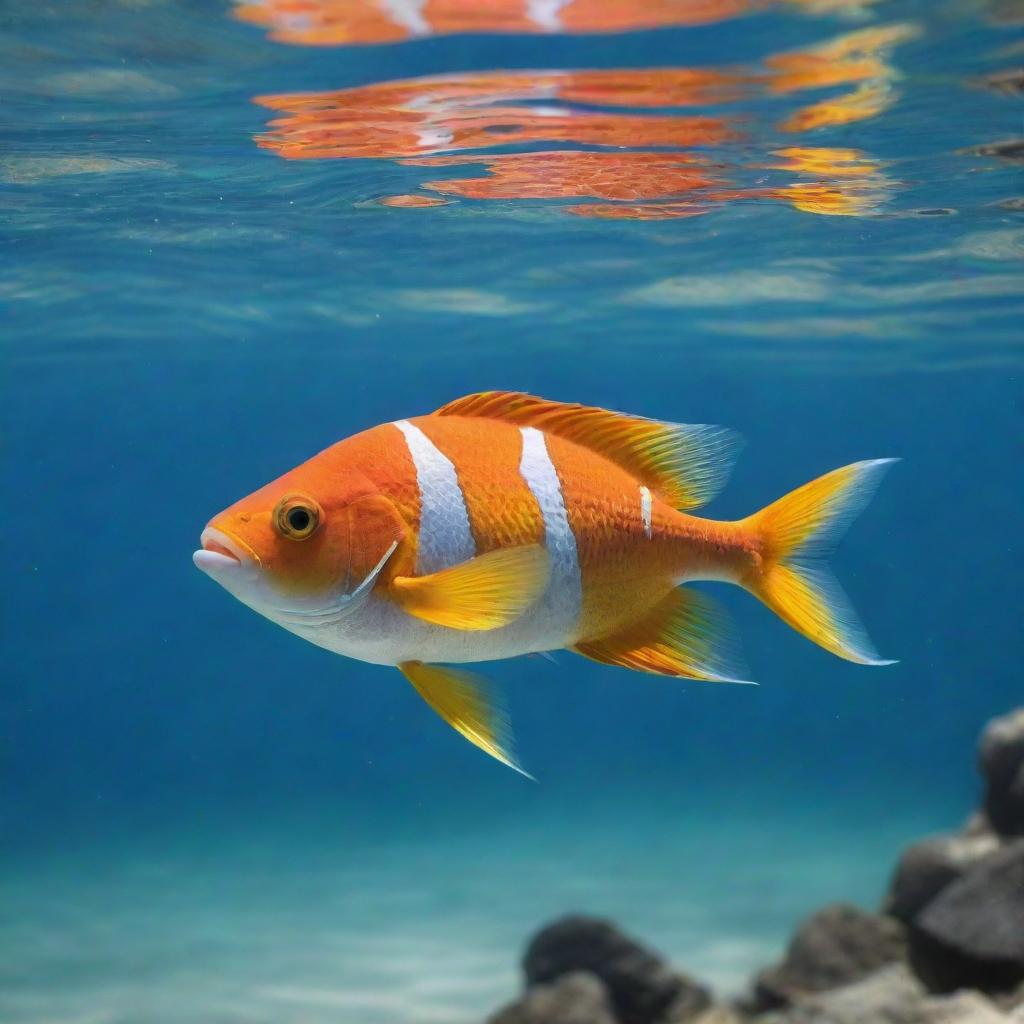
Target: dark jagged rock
x=838, y=945
x=927, y=867
x=641, y=985
x=972, y=934
x=577, y=998
x=1001, y=753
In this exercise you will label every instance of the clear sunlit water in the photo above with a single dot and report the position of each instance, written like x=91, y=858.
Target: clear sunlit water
x=233, y=235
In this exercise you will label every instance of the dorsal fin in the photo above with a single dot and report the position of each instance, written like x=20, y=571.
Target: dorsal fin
x=684, y=464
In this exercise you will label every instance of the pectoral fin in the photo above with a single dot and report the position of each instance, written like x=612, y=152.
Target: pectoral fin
x=685, y=634
x=462, y=699
x=486, y=592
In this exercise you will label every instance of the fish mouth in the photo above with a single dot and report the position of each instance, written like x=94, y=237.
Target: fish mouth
x=219, y=553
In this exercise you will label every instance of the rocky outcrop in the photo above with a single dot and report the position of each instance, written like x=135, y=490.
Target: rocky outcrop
x=972, y=933
x=962, y=895
x=892, y=995
x=642, y=988
x=1001, y=755
x=835, y=946
x=947, y=948
x=577, y=998
x=927, y=867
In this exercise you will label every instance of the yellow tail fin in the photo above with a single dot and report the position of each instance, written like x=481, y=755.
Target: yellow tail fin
x=797, y=532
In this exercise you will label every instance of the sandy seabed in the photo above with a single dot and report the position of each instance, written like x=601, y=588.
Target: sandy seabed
x=241, y=927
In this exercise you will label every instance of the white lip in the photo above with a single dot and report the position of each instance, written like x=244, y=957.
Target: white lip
x=213, y=561
x=217, y=561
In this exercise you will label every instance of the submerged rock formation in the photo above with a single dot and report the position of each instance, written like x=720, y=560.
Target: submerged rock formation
x=1001, y=754
x=837, y=945
x=946, y=948
x=577, y=998
x=972, y=933
x=927, y=867
x=893, y=995
x=642, y=988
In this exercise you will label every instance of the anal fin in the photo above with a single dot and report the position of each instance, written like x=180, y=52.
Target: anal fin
x=686, y=634
x=465, y=701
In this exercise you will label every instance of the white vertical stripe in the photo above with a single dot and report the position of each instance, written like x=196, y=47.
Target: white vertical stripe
x=645, y=510
x=445, y=537
x=564, y=596
x=545, y=14
x=409, y=15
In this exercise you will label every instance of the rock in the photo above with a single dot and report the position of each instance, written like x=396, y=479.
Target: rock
x=834, y=947
x=640, y=984
x=976, y=825
x=1016, y=1001
x=720, y=1015
x=889, y=996
x=1001, y=753
x=972, y=933
x=886, y=996
x=690, y=1007
x=962, y=1008
x=577, y=998
x=1012, y=1002
x=927, y=867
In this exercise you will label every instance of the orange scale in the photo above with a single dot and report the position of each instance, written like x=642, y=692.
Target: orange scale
x=450, y=16
x=323, y=22
x=623, y=15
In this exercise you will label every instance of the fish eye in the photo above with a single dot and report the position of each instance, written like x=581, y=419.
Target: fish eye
x=297, y=517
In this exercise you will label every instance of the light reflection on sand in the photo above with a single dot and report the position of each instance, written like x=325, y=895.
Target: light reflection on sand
x=651, y=152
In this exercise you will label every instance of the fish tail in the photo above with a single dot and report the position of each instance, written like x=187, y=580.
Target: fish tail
x=795, y=534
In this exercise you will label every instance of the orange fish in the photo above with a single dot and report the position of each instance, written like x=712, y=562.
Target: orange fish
x=504, y=524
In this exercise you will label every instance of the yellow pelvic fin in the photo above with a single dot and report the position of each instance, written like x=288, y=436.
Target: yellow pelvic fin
x=686, y=634
x=684, y=464
x=796, y=533
x=486, y=592
x=463, y=700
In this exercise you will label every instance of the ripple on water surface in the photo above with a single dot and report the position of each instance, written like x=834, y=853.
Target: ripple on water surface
x=555, y=163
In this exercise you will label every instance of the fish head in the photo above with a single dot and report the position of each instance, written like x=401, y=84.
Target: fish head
x=305, y=549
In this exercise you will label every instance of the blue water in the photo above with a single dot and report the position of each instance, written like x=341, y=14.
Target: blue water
x=205, y=819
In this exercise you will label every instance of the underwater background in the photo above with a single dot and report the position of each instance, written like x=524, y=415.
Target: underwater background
x=232, y=235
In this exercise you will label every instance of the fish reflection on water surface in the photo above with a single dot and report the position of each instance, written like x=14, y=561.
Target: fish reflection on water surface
x=337, y=22
x=644, y=161
x=505, y=524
